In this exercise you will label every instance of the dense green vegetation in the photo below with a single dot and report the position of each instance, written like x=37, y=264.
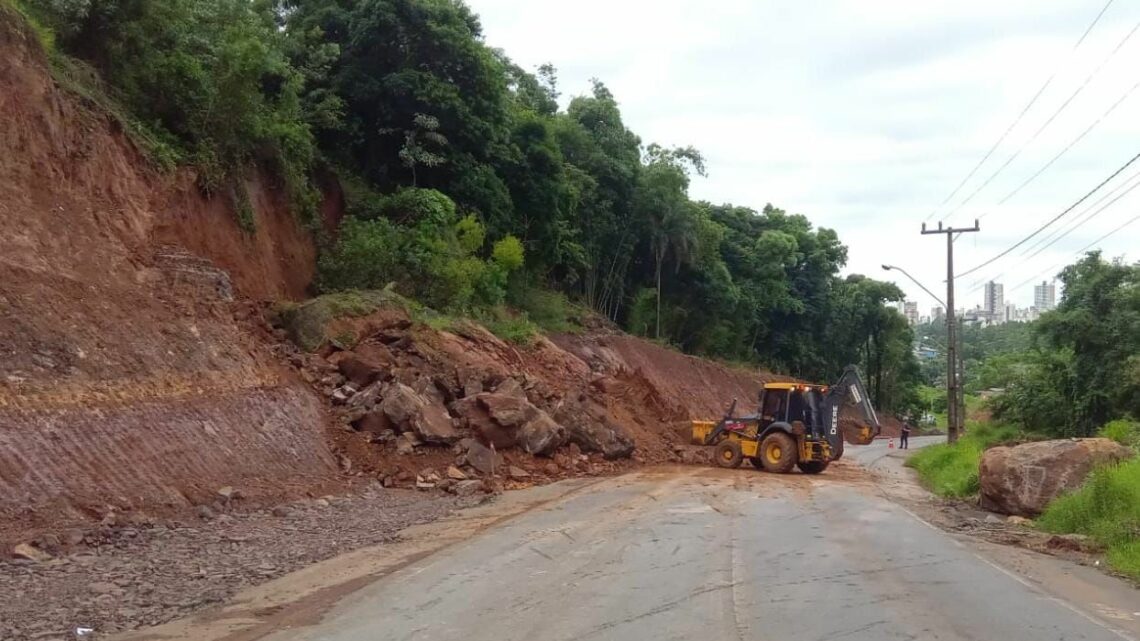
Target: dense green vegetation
x=1070, y=372
x=471, y=184
x=952, y=469
x=985, y=351
x=1085, y=368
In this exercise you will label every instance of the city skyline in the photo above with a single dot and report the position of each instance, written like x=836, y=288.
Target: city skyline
x=992, y=308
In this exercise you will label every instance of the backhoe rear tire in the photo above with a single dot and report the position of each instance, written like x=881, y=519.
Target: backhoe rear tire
x=778, y=453
x=812, y=467
x=728, y=454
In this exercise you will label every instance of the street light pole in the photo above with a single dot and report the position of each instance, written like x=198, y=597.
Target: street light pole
x=915, y=281
x=955, y=396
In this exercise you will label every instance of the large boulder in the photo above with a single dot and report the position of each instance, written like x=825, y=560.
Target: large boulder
x=508, y=419
x=410, y=411
x=589, y=426
x=482, y=458
x=365, y=365
x=507, y=410
x=476, y=418
x=541, y=435
x=1023, y=479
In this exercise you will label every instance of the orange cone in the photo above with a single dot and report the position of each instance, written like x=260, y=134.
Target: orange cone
x=891, y=444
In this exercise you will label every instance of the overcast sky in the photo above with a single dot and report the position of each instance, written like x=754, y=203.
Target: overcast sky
x=864, y=115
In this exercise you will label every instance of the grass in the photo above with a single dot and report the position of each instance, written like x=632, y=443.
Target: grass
x=511, y=326
x=1106, y=508
x=952, y=470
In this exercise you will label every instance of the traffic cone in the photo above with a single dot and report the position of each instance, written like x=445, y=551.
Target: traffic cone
x=891, y=444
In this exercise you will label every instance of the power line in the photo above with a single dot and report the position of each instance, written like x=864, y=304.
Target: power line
x=1052, y=220
x=1079, y=251
x=1081, y=218
x=1021, y=115
x=1088, y=214
x=1125, y=224
x=1094, y=214
x=1049, y=121
x=1069, y=146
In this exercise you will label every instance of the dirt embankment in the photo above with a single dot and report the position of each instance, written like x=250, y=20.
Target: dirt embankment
x=128, y=376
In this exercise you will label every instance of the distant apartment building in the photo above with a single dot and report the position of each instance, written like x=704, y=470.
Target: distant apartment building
x=937, y=315
x=910, y=310
x=994, y=302
x=1044, y=296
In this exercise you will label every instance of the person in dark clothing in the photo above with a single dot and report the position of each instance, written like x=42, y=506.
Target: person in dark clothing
x=904, y=438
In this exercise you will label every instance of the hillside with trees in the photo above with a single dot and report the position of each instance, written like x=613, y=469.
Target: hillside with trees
x=471, y=184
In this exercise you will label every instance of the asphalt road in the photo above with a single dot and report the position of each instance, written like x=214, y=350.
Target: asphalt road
x=871, y=455
x=692, y=553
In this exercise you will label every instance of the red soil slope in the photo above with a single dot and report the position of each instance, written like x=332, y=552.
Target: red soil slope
x=125, y=377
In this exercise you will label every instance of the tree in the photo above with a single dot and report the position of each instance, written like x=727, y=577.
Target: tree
x=603, y=161
x=417, y=141
x=400, y=58
x=662, y=199
x=1098, y=323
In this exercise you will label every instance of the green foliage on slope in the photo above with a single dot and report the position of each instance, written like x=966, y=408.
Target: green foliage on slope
x=470, y=183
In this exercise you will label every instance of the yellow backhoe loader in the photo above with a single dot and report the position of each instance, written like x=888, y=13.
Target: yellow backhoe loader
x=796, y=424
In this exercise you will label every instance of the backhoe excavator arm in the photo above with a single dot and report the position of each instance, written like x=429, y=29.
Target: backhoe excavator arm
x=850, y=384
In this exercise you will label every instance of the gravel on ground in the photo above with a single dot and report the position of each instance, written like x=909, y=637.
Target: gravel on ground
x=117, y=578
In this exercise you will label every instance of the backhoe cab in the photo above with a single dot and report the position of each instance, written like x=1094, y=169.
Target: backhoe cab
x=796, y=424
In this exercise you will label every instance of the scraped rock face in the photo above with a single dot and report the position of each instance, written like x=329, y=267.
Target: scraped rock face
x=1023, y=479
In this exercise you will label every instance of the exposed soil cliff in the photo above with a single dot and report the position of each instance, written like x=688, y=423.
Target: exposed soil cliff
x=128, y=377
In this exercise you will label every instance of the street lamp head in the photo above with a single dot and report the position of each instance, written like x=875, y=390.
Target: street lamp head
x=888, y=267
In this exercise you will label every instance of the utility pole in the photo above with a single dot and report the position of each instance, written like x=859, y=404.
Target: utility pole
x=954, y=421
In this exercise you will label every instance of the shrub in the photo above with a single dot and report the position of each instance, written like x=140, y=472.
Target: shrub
x=508, y=253
x=949, y=470
x=366, y=256
x=643, y=312
x=548, y=309
x=1122, y=431
x=431, y=256
x=513, y=327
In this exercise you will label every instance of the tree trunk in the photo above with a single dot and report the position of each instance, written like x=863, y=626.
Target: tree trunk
x=660, y=259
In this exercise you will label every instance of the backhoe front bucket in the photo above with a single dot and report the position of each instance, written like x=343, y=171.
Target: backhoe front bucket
x=701, y=431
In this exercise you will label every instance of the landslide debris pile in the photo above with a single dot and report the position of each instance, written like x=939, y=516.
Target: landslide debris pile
x=432, y=404
x=437, y=408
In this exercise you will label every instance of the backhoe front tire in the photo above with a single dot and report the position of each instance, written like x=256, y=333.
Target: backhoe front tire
x=812, y=467
x=728, y=454
x=778, y=453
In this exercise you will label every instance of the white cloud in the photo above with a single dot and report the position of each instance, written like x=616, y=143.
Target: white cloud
x=863, y=115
